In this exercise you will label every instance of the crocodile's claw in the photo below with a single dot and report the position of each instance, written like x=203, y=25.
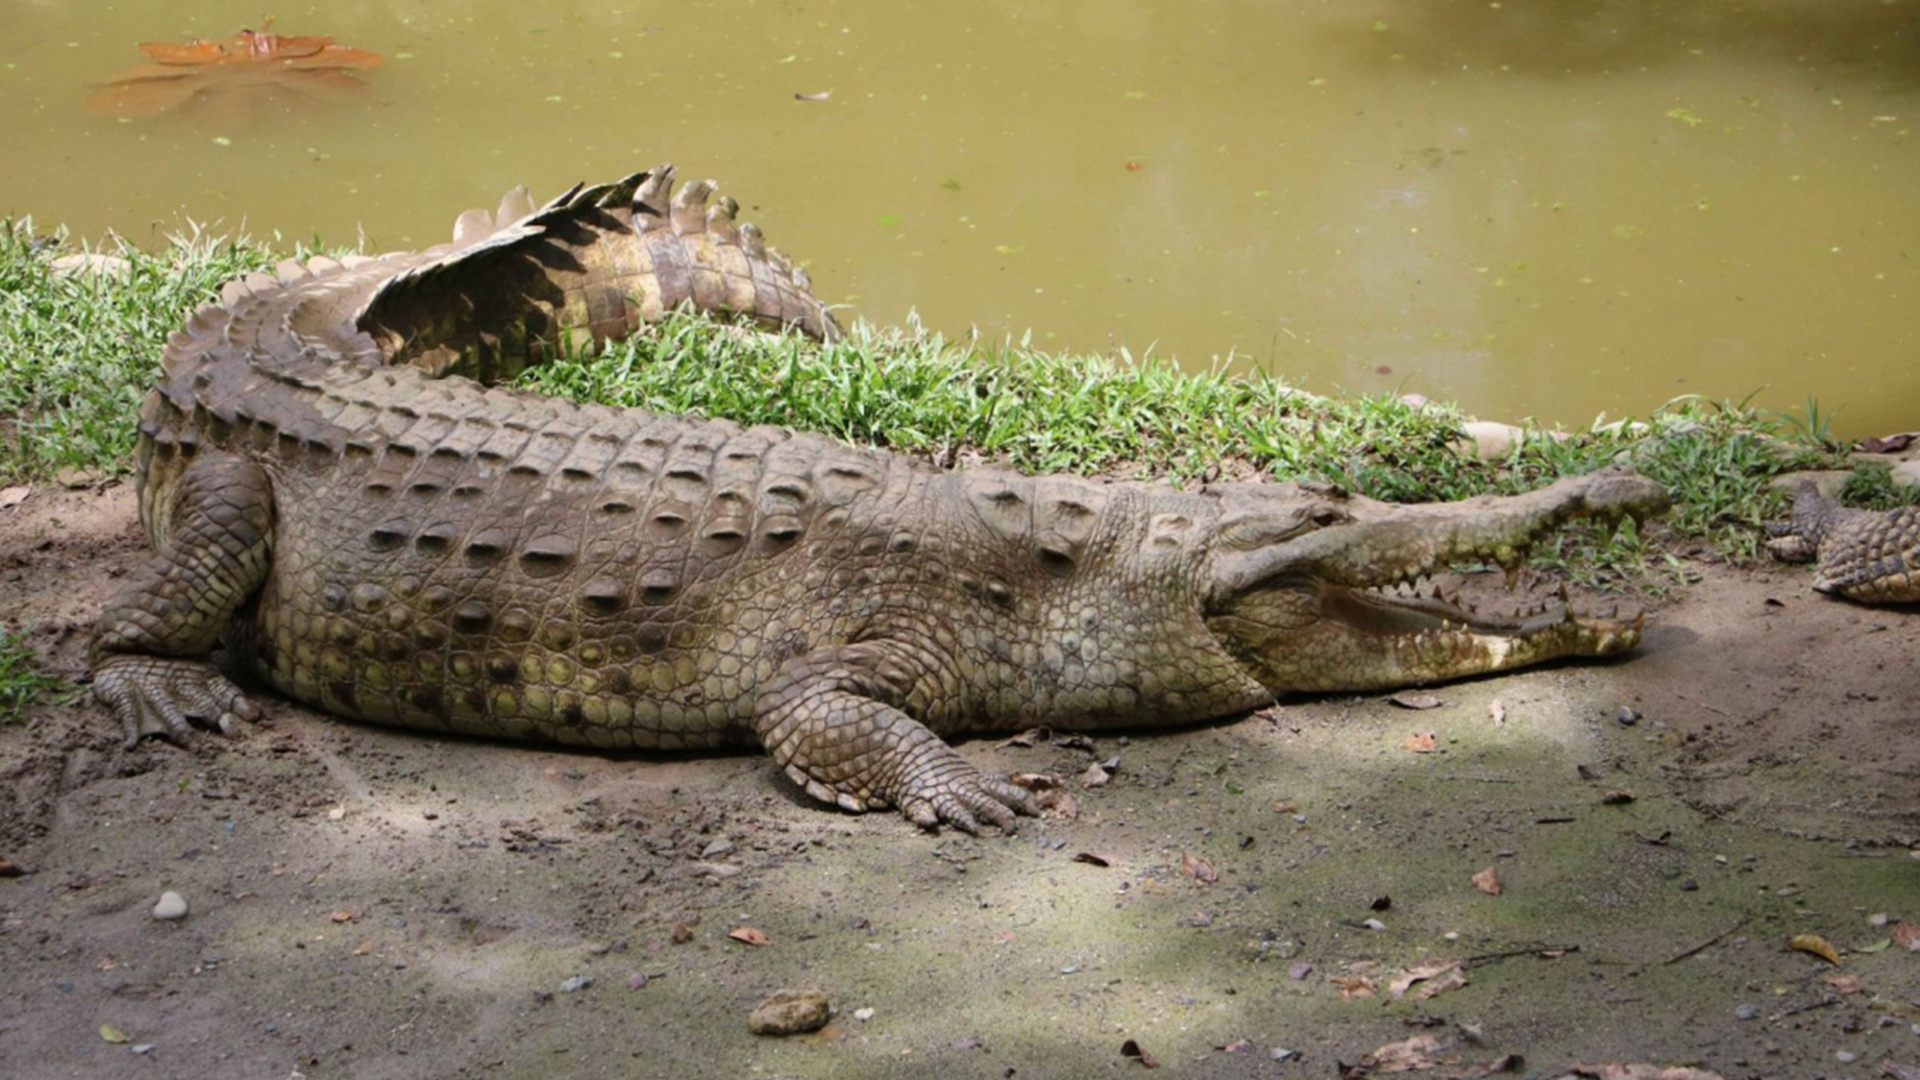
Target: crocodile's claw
x=957, y=794
x=167, y=696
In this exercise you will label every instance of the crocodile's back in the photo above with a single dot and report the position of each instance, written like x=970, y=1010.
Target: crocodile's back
x=505, y=564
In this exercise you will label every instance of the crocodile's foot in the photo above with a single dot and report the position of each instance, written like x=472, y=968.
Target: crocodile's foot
x=166, y=697
x=933, y=789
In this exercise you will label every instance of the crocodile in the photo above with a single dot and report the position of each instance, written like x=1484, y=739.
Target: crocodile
x=1873, y=558
x=341, y=494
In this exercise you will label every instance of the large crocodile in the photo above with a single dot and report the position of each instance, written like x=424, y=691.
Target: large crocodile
x=1870, y=557
x=376, y=534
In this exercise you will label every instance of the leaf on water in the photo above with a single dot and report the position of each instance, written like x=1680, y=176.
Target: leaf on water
x=1815, y=945
x=1686, y=116
x=1136, y=95
x=788, y=59
x=1487, y=881
x=1132, y=1049
x=1421, y=743
x=1199, y=869
x=113, y=1034
x=887, y=220
x=817, y=96
x=950, y=184
x=1008, y=249
x=1416, y=701
x=749, y=935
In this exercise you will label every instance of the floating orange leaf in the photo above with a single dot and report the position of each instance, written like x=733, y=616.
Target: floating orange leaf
x=229, y=77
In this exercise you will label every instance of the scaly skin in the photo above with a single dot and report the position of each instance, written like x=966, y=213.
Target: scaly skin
x=375, y=535
x=1873, y=558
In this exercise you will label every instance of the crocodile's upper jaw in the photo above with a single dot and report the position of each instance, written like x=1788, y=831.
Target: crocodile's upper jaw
x=1344, y=603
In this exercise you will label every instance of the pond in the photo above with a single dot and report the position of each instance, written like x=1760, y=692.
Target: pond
x=1541, y=208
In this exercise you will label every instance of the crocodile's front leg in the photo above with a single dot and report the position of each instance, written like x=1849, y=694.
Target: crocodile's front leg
x=833, y=720
x=152, y=644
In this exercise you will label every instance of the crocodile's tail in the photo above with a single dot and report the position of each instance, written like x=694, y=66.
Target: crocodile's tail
x=592, y=265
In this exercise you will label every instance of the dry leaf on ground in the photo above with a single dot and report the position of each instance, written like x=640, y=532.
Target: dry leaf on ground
x=1437, y=978
x=1352, y=986
x=1421, y=743
x=1416, y=701
x=1614, y=1070
x=1199, y=869
x=1815, y=945
x=750, y=935
x=1487, y=881
x=1907, y=935
x=1498, y=712
x=1095, y=776
x=1845, y=984
x=1133, y=1049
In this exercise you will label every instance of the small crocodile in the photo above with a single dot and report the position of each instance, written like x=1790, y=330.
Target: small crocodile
x=336, y=490
x=1870, y=557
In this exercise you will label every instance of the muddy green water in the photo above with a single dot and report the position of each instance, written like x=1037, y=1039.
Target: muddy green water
x=1537, y=207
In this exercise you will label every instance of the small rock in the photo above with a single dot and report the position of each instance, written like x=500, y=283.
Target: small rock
x=790, y=1012
x=1689, y=885
x=171, y=906
x=1746, y=1012
x=1878, y=918
x=1492, y=441
x=91, y=264
x=863, y=1013
x=1627, y=717
x=1907, y=474
x=576, y=984
x=1845, y=1057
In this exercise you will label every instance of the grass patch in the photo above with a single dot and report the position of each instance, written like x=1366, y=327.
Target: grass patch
x=22, y=682
x=77, y=354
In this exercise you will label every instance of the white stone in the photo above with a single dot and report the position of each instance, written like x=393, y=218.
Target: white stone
x=1907, y=474
x=171, y=906
x=1493, y=441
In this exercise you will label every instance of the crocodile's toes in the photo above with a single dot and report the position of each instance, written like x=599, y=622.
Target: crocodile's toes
x=966, y=803
x=166, y=697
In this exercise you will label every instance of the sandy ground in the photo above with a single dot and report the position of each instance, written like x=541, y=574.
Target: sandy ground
x=370, y=903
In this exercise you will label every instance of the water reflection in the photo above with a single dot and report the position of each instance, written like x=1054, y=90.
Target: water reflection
x=1545, y=208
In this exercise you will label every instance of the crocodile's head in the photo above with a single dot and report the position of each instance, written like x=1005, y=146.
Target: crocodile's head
x=1316, y=590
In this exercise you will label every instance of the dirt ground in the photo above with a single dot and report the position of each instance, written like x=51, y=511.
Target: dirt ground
x=374, y=903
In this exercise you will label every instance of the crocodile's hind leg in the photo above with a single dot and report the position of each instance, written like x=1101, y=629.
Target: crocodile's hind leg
x=153, y=643
x=832, y=720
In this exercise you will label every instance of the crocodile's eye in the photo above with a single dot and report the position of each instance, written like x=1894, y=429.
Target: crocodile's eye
x=1327, y=515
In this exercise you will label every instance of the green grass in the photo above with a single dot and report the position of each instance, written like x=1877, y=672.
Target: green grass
x=22, y=682
x=77, y=355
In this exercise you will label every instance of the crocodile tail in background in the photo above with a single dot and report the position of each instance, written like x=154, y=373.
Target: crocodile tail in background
x=592, y=265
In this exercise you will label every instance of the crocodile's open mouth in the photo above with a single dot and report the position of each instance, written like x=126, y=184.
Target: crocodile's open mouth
x=1359, y=604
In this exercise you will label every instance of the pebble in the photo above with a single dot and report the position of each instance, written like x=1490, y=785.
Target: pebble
x=1746, y=1012
x=790, y=1012
x=1374, y=924
x=1627, y=717
x=142, y=1048
x=576, y=984
x=1845, y=1057
x=863, y=1013
x=1492, y=441
x=171, y=906
x=1878, y=918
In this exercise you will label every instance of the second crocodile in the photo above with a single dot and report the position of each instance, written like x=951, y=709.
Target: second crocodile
x=372, y=532
x=1870, y=557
